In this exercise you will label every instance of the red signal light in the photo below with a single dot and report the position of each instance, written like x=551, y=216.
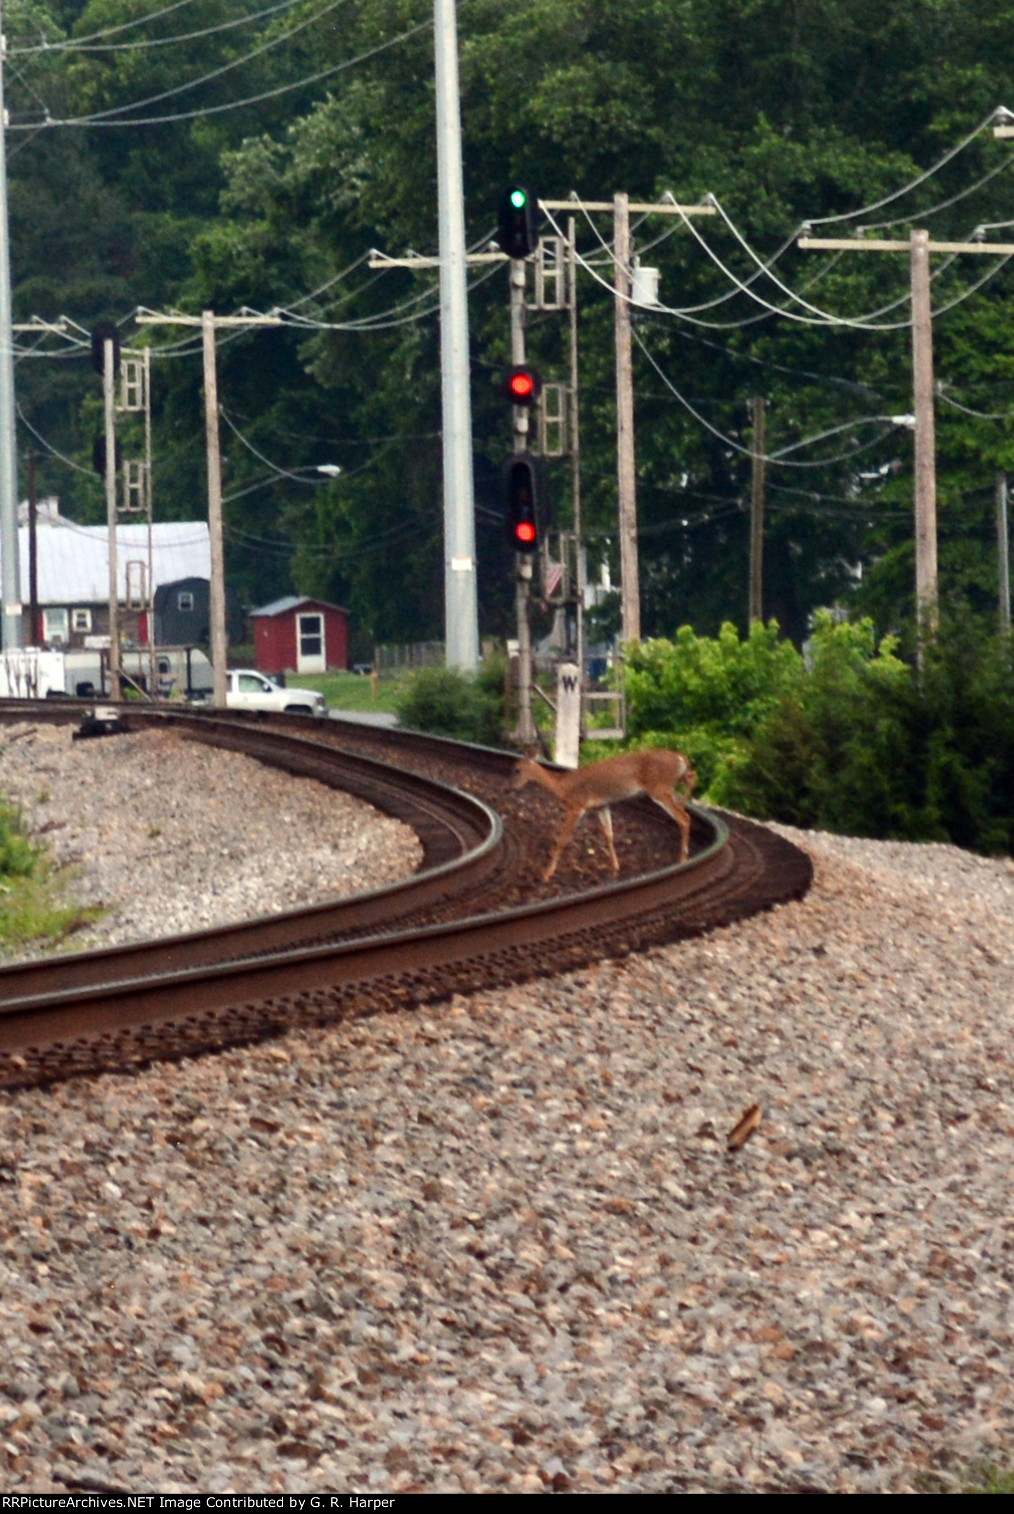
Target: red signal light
x=521, y=481
x=522, y=385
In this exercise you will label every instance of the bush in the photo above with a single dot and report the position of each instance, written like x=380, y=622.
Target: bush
x=447, y=702
x=865, y=746
x=707, y=695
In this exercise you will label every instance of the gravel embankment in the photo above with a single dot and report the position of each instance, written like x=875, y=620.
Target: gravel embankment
x=499, y=1245
x=170, y=835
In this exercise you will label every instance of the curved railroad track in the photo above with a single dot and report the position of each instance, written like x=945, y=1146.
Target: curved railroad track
x=475, y=914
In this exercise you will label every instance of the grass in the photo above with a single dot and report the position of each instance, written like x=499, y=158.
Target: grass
x=351, y=691
x=988, y=1479
x=33, y=906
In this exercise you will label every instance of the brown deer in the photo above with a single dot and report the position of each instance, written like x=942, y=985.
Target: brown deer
x=667, y=777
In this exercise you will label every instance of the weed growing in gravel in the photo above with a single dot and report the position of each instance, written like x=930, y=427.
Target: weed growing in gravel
x=32, y=903
x=981, y=1478
x=987, y=1479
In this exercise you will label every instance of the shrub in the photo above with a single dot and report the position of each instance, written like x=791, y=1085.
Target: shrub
x=723, y=683
x=706, y=695
x=447, y=702
x=865, y=746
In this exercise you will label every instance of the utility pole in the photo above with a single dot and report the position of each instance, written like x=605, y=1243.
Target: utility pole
x=630, y=582
x=919, y=246
x=209, y=324
x=461, y=612
x=626, y=471
x=620, y=208
x=10, y=567
x=1003, y=550
x=216, y=606
x=756, y=600
x=926, y=572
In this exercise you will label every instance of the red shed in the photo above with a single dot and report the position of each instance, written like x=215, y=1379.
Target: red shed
x=300, y=635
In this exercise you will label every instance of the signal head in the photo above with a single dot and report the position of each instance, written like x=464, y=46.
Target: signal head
x=518, y=234
x=521, y=481
x=522, y=385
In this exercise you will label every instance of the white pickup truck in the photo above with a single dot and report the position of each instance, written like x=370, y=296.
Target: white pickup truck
x=247, y=690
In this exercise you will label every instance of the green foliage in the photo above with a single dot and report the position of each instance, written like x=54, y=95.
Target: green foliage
x=705, y=695
x=450, y=703
x=31, y=903
x=867, y=747
x=826, y=753
x=18, y=857
x=219, y=204
x=989, y=1479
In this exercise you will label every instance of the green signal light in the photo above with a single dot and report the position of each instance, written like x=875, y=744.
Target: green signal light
x=518, y=199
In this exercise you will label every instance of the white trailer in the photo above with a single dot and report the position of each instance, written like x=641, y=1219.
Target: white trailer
x=43, y=673
x=83, y=673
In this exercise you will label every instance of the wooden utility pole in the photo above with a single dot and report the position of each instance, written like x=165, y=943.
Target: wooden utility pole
x=756, y=601
x=919, y=246
x=209, y=324
x=630, y=584
x=925, y=437
x=216, y=607
x=1003, y=550
x=626, y=467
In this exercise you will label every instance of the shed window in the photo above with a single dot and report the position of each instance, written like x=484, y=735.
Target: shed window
x=311, y=635
x=80, y=620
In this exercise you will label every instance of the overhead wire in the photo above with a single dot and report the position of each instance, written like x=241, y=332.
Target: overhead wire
x=98, y=121
x=126, y=26
x=100, y=117
x=772, y=458
x=90, y=45
x=897, y=194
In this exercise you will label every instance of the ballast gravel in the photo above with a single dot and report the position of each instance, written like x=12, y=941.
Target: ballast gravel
x=165, y=835
x=500, y=1245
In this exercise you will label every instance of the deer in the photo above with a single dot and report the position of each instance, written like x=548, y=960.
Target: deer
x=665, y=776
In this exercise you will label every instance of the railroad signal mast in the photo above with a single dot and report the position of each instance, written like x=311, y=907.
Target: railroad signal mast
x=518, y=237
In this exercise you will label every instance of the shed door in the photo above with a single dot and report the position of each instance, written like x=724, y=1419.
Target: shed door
x=310, y=650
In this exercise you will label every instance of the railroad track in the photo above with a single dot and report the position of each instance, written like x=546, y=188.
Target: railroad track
x=468, y=919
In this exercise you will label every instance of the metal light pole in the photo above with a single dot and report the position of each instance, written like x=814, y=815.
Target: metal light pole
x=10, y=567
x=461, y=601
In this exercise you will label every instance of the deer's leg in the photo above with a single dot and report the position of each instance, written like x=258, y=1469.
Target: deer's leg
x=606, y=822
x=571, y=818
x=673, y=807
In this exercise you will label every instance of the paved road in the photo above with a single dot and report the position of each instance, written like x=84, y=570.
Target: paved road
x=364, y=717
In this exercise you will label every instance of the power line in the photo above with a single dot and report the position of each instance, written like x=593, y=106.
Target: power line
x=212, y=110
x=89, y=45
x=891, y=421
x=99, y=117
